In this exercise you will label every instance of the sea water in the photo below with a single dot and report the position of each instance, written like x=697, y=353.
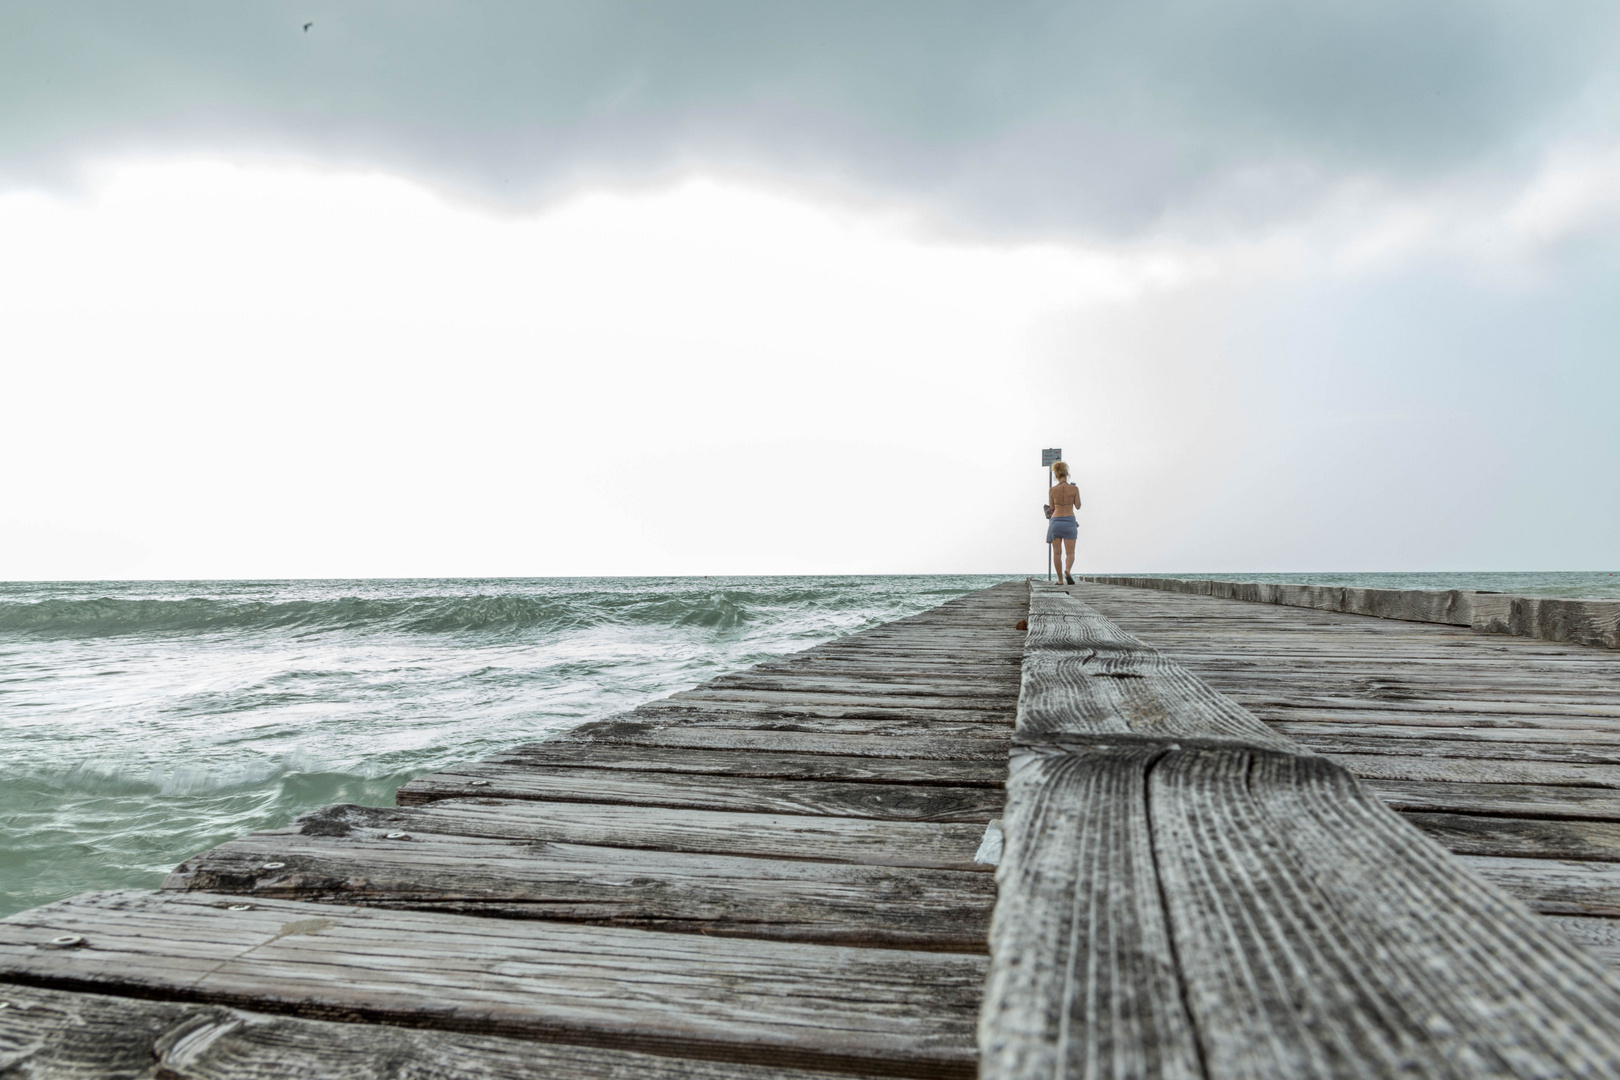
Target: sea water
x=145, y=722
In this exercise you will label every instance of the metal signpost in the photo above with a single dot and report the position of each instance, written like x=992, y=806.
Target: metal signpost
x=1048, y=458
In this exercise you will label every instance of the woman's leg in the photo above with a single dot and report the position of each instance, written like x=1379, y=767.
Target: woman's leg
x=1068, y=557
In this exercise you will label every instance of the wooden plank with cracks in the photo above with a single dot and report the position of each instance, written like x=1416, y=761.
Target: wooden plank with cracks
x=756, y=795
x=68, y=1036
x=729, y=999
x=738, y=896
x=863, y=841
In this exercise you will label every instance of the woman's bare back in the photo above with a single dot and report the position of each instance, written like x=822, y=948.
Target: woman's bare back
x=1064, y=498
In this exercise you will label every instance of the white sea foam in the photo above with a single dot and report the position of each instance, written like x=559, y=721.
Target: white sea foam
x=147, y=721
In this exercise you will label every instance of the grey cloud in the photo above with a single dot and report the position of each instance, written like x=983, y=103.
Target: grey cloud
x=1084, y=116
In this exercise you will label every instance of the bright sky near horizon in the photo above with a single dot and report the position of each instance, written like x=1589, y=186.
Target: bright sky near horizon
x=547, y=289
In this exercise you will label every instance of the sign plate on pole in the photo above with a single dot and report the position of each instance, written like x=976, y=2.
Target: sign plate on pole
x=1049, y=457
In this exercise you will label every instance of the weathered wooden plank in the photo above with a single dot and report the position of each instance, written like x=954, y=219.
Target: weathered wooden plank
x=915, y=746
x=1601, y=937
x=1213, y=624
x=906, y=652
x=1308, y=687
x=1399, y=662
x=940, y=846
x=789, y=708
x=981, y=770
x=774, y=720
x=880, y=1010
x=977, y=690
x=1084, y=979
x=1402, y=687
x=1480, y=770
x=1541, y=838
x=930, y=644
x=1523, y=800
x=1393, y=678
x=68, y=1036
x=1554, y=886
x=780, y=899
x=993, y=669
x=1284, y=878
x=1221, y=643
x=894, y=802
x=1582, y=731
x=1496, y=750
x=1083, y=673
x=1300, y=697
x=1314, y=933
x=1586, y=622
x=866, y=699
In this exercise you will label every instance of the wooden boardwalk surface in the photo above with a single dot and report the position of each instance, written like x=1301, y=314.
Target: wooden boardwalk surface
x=1505, y=749
x=1187, y=891
x=786, y=872
x=772, y=871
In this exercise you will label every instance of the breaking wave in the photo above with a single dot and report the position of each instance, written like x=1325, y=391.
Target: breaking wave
x=147, y=721
x=726, y=609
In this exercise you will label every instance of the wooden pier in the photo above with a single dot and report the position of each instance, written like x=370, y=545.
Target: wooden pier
x=788, y=872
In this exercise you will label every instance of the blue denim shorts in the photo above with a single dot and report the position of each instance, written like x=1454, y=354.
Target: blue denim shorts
x=1062, y=528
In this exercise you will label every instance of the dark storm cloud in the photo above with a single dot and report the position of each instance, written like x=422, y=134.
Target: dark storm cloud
x=1030, y=116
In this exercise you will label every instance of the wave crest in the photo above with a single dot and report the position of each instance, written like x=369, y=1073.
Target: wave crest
x=109, y=616
x=721, y=611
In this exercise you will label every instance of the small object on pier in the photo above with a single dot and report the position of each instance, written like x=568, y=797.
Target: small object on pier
x=478, y=783
x=239, y=907
x=398, y=836
x=989, y=852
x=273, y=866
x=1023, y=624
x=66, y=941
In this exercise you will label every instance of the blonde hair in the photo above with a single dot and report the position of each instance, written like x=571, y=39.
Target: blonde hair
x=1061, y=469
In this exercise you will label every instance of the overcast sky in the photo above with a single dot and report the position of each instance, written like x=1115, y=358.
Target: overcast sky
x=534, y=288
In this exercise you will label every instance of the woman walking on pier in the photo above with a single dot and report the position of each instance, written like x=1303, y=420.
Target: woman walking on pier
x=1062, y=530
